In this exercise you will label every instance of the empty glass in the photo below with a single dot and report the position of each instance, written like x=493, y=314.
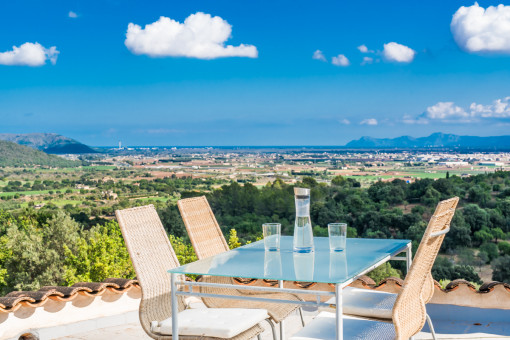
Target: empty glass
x=337, y=235
x=272, y=233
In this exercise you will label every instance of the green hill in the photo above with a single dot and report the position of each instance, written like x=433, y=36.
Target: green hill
x=12, y=154
x=48, y=142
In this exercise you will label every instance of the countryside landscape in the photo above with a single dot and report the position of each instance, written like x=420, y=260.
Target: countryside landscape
x=233, y=170
x=44, y=196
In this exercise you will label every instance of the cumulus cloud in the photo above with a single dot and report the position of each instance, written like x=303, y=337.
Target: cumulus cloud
x=398, y=53
x=499, y=109
x=318, y=55
x=340, y=60
x=445, y=110
x=476, y=29
x=29, y=54
x=367, y=60
x=345, y=121
x=200, y=36
x=72, y=14
x=369, y=121
x=364, y=49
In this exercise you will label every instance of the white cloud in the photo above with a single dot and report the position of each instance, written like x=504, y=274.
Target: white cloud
x=72, y=14
x=445, y=110
x=340, y=60
x=199, y=36
x=345, y=121
x=367, y=60
x=369, y=121
x=364, y=49
x=29, y=54
x=500, y=108
x=398, y=53
x=476, y=29
x=318, y=55
x=449, y=112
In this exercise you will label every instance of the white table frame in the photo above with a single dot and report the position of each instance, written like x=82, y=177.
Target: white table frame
x=337, y=293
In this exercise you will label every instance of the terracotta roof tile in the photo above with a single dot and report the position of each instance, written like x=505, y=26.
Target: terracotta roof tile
x=456, y=283
x=488, y=287
x=14, y=300
x=395, y=280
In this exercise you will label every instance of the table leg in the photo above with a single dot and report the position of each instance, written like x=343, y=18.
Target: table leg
x=282, y=326
x=409, y=261
x=409, y=258
x=175, y=309
x=339, y=313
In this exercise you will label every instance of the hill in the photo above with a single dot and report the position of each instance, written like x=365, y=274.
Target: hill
x=48, y=142
x=12, y=154
x=435, y=140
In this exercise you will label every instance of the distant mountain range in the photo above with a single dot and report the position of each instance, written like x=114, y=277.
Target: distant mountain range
x=435, y=140
x=12, y=154
x=48, y=142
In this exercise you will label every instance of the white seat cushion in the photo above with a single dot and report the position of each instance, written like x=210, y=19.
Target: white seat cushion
x=323, y=328
x=213, y=322
x=367, y=303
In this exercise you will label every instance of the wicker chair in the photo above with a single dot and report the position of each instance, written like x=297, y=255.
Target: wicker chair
x=408, y=313
x=208, y=240
x=152, y=255
x=378, y=305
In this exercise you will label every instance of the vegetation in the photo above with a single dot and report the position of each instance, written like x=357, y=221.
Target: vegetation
x=66, y=243
x=12, y=154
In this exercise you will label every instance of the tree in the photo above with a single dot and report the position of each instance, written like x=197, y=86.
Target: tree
x=38, y=254
x=101, y=254
x=483, y=236
x=501, y=267
x=444, y=269
x=491, y=249
x=431, y=197
x=338, y=181
x=498, y=234
x=233, y=240
x=172, y=221
x=504, y=247
x=383, y=271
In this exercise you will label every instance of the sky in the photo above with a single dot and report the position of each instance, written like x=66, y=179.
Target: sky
x=253, y=72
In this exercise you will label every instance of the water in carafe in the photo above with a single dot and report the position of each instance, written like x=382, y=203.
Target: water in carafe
x=303, y=236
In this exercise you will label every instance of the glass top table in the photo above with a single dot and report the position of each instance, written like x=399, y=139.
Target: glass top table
x=322, y=265
x=252, y=261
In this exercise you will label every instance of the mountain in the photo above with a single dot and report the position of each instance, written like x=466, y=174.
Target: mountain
x=48, y=142
x=435, y=140
x=12, y=154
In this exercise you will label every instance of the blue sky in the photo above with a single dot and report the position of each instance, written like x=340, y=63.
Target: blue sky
x=160, y=86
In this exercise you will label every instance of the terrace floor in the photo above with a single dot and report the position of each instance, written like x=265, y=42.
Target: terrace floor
x=488, y=324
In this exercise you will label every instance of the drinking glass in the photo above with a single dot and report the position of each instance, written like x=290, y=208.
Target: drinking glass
x=337, y=235
x=272, y=233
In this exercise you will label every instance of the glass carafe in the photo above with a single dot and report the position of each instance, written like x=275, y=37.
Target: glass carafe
x=303, y=236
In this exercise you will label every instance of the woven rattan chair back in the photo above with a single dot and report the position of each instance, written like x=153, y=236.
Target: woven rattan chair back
x=428, y=290
x=409, y=314
x=152, y=255
x=203, y=229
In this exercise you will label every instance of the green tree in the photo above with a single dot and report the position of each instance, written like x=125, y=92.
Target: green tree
x=101, y=254
x=38, y=253
x=183, y=250
x=490, y=249
x=338, y=180
x=384, y=271
x=501, y=267
x=233, y=240
x=504, y=247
